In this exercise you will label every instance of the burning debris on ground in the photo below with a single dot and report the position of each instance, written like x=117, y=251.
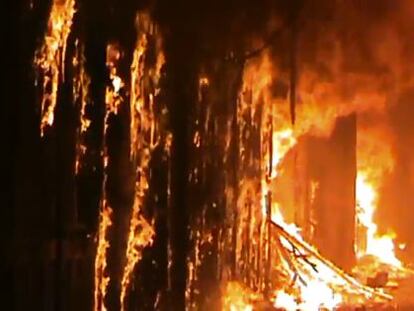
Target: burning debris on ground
x=223, y=155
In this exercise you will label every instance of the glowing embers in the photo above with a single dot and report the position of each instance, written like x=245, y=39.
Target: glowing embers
x=50, y=58
x=101, y=277
x=382, y=247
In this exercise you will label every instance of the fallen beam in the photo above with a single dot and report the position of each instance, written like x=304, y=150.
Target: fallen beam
x=312, y=253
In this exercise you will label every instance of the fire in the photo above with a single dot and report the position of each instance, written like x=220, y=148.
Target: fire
x=321, y=284
x=375, y=160
x=312, y=282
x=143, y=140
x=50, y=58
x=101, y=279
x=317, y=288
x=382, y=247
x=140, y=235
x=112, y=100
x=81, y=84
x=286, y=301
x=314, y=296
x=203, y=81
x=113, y=97
x=238, y=298
x=283, y=141
x=137, y=101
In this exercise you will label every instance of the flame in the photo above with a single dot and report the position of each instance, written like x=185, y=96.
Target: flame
x=81, y=88
x=238, y=298
x=382, y=247
x=314, y=296
x=375, y=160
x=140, y=231
x=285, y=301
x=318, y=291
x=322, y=284
x=50, y=58
x=112, y=101
x=113, y=97
x=81, y=84
x=137, y=100
x=140, y=235
x=101, y=279
x=308, y=281
x=283, y=141
x=143, y=139
x=203, y=81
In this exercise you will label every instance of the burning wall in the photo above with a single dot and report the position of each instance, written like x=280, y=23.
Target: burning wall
x=195, y=157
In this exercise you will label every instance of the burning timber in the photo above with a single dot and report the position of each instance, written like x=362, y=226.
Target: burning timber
x=230, y=156
x=303, y=258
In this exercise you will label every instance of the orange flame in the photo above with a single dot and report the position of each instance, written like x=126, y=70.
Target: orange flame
x=112, y=101
x=113, y=97
x=81, y=84
x=238, y=297
x=142, y=126
x=140, y=235
x=50, y=58
x=326, y=285
x=101, y=279
x=375, y=160
x=381, y=247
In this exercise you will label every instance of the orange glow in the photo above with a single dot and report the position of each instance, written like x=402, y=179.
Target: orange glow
x=382, y=247
x=140, y=235
x=283, y=141
x=143, y=135
x=375, y=160
x=112, y=101
x=113, y=97
x=81, y=82
x=203, y=81
x=50, y=58
x=238, y=298
x=137, y=96
x=101, y=278
x=321, y=284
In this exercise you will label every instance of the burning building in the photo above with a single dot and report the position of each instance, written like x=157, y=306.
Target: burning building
x=211, y=155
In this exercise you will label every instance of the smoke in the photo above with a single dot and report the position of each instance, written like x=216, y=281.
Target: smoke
x=352, y=56
x=356, y=56
x=397, y=199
